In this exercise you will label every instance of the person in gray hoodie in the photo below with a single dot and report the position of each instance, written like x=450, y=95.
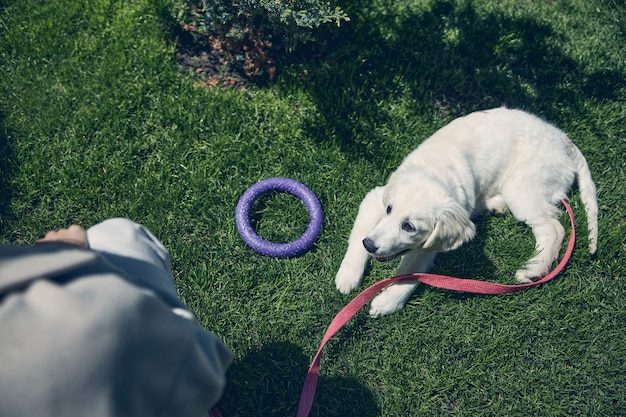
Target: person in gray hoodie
x=91, y=325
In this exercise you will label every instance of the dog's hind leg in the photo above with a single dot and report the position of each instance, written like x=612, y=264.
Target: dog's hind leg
x=549, y=236
x=549, y=233
x=394, y=297
x=350, y=273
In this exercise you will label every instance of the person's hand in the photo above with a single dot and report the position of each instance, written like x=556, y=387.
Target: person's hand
x=74, y=234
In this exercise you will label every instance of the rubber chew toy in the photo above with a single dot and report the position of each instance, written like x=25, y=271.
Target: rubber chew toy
x=279, y=250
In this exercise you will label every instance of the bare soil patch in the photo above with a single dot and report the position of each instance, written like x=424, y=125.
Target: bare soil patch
x=215, y=61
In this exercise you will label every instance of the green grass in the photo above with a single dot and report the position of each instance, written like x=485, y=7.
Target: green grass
x=96, y=122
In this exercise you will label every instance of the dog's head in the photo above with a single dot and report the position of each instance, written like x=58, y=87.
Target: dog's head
x=426, y=218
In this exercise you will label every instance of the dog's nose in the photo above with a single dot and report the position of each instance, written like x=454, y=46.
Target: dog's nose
x=369, y=245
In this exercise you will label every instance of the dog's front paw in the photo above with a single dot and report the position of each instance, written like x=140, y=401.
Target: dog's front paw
x=382, y=306
x=392, y=299
x=347, y=279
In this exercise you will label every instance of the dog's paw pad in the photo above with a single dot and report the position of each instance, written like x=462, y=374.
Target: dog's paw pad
x=497, y=205
x=500, y=211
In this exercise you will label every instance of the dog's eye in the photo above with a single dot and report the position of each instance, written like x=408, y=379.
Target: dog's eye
x=389, y=209
x=408, y=227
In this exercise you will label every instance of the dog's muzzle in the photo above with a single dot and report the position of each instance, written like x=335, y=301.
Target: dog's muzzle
x=371, y=247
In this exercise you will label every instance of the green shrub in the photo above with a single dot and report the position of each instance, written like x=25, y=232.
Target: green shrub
x=292, y=20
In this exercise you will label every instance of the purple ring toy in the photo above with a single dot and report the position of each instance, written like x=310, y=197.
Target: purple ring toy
x=279, y=250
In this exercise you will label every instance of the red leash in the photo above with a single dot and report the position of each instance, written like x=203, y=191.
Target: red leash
x=439, y=281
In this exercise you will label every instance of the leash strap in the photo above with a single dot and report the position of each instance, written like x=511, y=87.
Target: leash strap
x=434, y=280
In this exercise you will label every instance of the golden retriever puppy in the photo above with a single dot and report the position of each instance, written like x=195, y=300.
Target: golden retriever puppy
x=495, y=160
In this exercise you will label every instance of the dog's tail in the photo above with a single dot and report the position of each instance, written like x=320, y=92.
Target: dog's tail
x=587, y=190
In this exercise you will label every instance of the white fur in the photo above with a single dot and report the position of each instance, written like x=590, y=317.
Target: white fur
x=495, y=160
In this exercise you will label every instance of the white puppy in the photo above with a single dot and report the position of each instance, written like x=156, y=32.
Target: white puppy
x=492, y=160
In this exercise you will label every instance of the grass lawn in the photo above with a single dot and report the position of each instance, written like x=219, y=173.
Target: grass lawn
x=96, y=122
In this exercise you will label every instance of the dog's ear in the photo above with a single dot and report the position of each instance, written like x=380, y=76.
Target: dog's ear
x=453, y=227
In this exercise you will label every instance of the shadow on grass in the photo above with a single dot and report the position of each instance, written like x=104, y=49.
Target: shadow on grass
x=268, y=383
x=473, y=260
x=6, y=161
x=448, y=57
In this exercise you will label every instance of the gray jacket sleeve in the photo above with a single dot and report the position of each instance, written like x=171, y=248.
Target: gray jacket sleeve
x=77, y=339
